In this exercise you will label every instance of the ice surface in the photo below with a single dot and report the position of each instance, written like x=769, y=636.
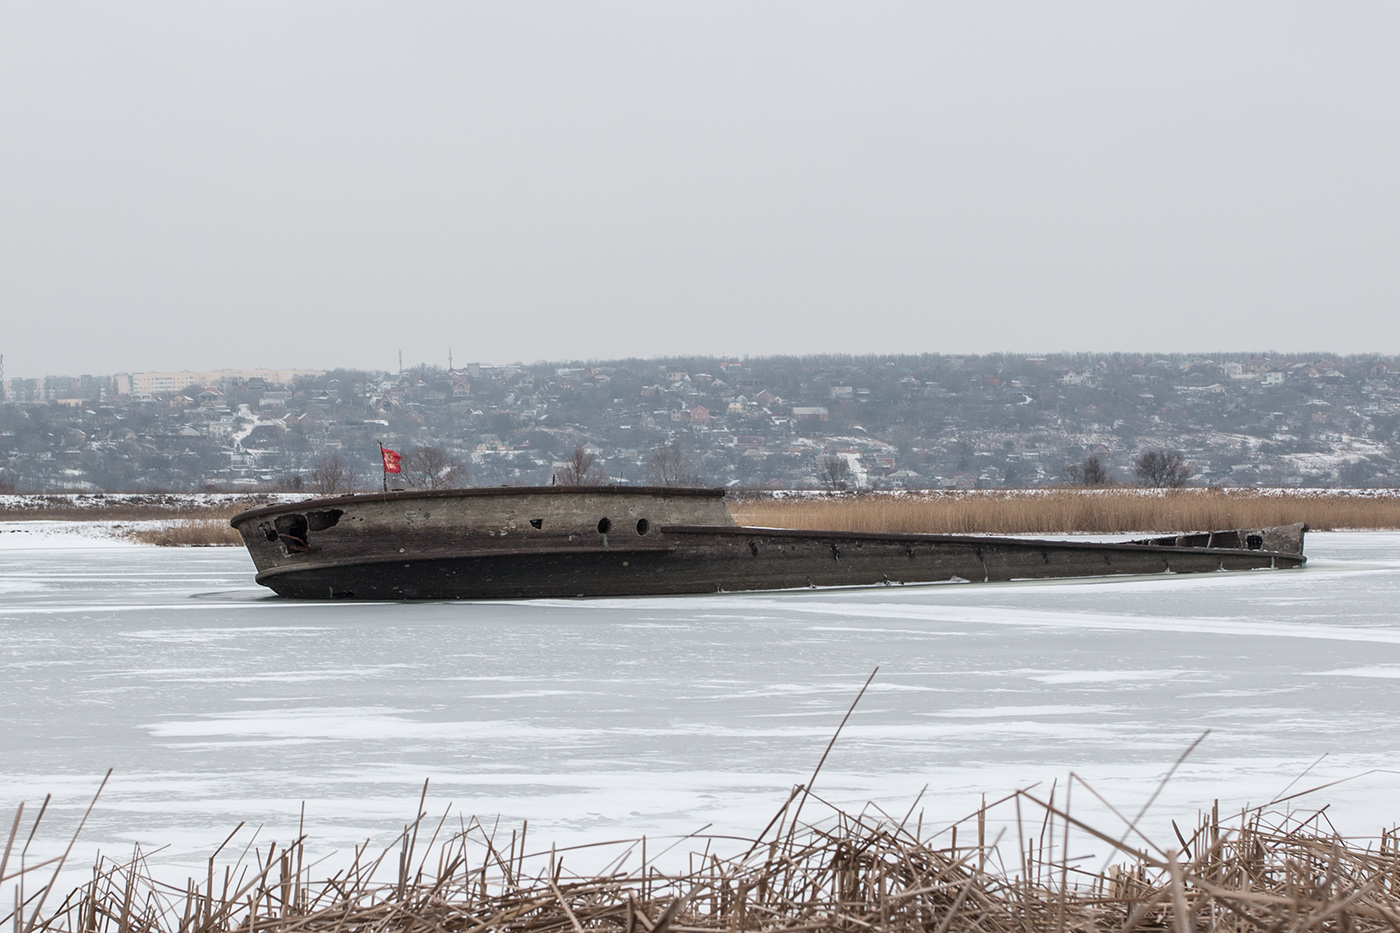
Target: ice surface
x=216, y=702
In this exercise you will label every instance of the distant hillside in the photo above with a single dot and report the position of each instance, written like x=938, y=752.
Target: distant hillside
x=916, y=421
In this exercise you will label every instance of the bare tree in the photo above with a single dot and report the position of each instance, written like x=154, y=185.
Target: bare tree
x=669, y=465
x=288, y=482
x=834, y=472
x=1161, y=468
x=331, y=476
x=433, y=468
x=1091, y=472
x=582, y=470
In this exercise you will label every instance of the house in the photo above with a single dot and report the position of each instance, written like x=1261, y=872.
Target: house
x=221, y=430
x=811, y=413
x=700, y=413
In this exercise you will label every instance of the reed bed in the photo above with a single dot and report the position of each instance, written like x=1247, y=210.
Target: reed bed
x=215, y=532
x=1257, y=872
x=1068, y=511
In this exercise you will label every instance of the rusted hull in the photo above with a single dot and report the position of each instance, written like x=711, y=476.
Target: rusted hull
x=723, y=563
x=612, y=543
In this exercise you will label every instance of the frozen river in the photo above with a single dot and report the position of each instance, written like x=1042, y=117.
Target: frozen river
x=217, y=703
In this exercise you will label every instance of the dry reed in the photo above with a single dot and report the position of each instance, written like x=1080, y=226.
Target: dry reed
x=1253, y=873
x=188, y=533
x=1259, y=873
x=1065, y=511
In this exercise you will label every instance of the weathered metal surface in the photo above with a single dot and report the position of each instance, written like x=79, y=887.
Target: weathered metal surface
x=612, y=541
x=1286, y=539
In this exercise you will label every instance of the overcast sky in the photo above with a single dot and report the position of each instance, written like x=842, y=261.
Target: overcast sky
x=208, y=185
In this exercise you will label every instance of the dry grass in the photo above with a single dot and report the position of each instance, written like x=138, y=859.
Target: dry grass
x=849, y=872
x=1063, y=511
x=1257, y=873
x=215, y=532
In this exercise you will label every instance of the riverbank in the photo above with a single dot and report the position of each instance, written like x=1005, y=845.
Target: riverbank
x=49, y=534
x=201, y=519
x=105, y=520
x=135, y=506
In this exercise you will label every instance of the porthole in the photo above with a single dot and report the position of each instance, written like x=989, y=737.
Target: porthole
x=643, y=526
x=604, y=525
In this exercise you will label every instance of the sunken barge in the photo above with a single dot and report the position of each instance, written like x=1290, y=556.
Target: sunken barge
x=566, y=541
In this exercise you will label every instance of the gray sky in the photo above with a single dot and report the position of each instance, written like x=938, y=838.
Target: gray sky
x=317, y=184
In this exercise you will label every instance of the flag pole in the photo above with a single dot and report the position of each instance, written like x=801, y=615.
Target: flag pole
x=384, y=468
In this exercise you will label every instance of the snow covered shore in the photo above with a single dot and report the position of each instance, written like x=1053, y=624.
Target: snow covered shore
x=152, y=501
x=56, y=535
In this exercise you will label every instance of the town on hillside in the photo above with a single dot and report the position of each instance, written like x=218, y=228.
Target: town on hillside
x=928, y=421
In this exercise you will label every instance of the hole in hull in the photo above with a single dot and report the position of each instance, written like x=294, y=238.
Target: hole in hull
x=292, y=529
x=320, y=521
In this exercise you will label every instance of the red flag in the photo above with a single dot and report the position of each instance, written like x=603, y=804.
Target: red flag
x=391, y=460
